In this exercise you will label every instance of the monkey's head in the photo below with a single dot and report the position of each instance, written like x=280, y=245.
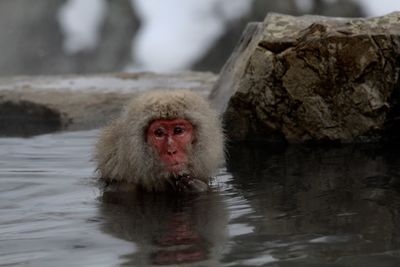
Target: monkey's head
x=172, y=140
x=164, y=139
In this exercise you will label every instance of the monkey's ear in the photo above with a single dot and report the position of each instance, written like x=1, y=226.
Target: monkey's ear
x=144, y=134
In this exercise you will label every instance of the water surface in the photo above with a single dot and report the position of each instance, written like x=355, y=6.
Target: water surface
x=270, y=206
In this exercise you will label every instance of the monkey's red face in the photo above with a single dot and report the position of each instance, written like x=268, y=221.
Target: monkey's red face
x=171, y=139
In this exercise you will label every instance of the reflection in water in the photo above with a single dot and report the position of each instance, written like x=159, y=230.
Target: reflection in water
x=273, y=206
x=320, y=205
x=168, y=229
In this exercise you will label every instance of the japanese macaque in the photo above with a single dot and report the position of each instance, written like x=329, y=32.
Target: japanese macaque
x=164, y=140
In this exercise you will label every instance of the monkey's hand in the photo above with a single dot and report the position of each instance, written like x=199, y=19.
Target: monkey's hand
x=186, y=183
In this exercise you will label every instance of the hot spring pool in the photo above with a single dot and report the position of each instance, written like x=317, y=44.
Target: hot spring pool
x=271, y=206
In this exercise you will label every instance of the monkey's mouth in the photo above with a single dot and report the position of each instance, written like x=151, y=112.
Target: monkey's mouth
x=176, y=167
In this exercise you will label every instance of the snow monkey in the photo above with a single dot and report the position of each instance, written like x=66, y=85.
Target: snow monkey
x=164, y=140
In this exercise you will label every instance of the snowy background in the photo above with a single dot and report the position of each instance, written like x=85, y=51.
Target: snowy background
x=170, y=35
x=171, y=23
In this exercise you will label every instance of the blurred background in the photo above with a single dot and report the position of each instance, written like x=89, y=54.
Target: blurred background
x=95, y=36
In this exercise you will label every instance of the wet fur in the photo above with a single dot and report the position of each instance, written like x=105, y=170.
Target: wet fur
x=126, y=160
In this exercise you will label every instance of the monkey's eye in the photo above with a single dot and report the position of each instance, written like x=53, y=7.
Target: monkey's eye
x=179, y=130
x=159, y=132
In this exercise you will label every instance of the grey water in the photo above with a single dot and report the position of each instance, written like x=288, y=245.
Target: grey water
x=270, y=206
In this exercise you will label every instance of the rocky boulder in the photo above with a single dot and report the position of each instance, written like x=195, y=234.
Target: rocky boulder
x=313, y=79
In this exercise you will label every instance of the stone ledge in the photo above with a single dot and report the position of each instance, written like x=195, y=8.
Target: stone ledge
x=40, y=104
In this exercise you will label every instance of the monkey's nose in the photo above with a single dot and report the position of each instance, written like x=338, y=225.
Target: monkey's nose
x=171, y=151
x=171, y=147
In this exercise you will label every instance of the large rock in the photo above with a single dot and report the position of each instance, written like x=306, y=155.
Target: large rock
x=312, y=78
x=35, y=105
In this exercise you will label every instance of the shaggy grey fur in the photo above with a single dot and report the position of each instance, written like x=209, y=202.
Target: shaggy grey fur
x=125, y=159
